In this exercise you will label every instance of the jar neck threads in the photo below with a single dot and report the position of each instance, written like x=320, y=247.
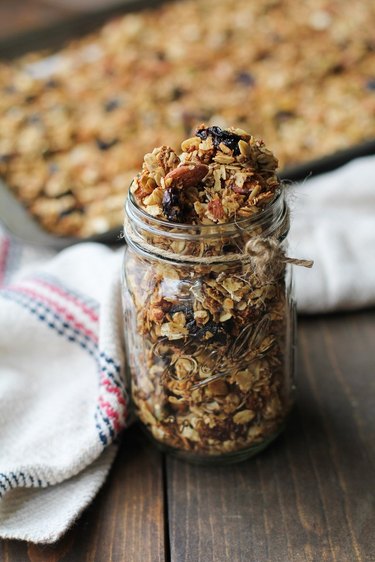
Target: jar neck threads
x=213, y=243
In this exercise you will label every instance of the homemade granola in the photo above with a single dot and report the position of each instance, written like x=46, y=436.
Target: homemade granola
x=74, y=126
x=220, y=174
x=208, y=327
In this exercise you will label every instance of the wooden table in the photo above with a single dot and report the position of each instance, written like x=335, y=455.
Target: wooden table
x=309, y=497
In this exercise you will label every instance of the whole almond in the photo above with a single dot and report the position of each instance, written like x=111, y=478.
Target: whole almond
x=185, y=176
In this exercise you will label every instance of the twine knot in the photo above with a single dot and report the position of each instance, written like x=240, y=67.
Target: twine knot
x=268, y=258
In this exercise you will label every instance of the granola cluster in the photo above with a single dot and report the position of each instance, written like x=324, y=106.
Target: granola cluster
x=219, y=176
x=74, y=125
x=208, y=343
x=208, y=356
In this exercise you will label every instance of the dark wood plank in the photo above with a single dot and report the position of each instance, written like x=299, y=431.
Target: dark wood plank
x=125, y=523
x=309, y=497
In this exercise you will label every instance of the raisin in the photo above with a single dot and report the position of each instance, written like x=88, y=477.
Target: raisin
x=105, y=145
x=218, y=136
x=30, y=99
x=52, y=83
x=218, y=331
x=177, y=93
x=338, y=68
x=229, y=249
x=245, y=79
x=160, y=55
x=69, y=211
x=185, y=308
x=34, y=118
x=283, y=115
x=192, y=327
x=172, y=206
x=112, y=104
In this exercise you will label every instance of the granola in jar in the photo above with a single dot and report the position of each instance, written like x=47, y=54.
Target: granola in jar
x=209, y=316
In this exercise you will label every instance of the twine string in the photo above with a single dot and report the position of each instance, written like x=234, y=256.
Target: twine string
x=266, y=254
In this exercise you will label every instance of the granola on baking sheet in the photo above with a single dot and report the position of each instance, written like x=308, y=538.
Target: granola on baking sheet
x=208, y=343
x=300, y=74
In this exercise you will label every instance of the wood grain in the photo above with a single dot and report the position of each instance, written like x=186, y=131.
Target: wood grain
x=124, y=523
x=310, y=497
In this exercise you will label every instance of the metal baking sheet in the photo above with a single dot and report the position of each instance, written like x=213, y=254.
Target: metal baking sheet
x=327, y=163
x=15, y=217
x=18, y=222
x=56, y=35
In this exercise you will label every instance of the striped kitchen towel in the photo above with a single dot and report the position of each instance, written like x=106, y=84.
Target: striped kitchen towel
x=63, y=400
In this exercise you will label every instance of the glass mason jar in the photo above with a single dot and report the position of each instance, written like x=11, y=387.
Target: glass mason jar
x=209, y=330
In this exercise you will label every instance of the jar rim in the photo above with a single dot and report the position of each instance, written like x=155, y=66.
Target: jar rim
x=273, y=213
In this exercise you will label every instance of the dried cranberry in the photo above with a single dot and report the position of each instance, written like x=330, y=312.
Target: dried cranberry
x=218, y=136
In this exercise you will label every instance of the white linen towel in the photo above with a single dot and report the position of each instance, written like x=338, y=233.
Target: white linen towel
x=333, y=223
x=62, y=395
